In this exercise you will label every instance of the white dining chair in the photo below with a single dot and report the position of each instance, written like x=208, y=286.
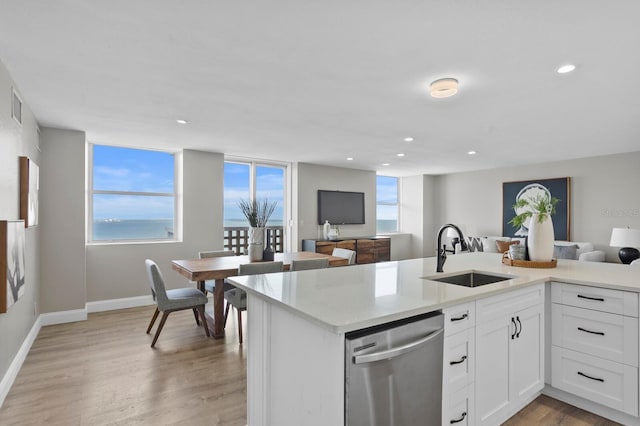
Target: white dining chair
x=350, y=255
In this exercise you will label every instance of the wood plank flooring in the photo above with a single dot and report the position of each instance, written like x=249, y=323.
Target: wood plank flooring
x=550, y=412
x=103, y=372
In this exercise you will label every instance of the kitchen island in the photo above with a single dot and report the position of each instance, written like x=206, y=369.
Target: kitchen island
x=297, y=321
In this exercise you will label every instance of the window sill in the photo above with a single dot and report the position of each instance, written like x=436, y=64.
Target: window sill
x=131, y=242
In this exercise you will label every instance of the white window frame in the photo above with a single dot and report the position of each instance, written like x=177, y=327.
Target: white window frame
x=396, y=204
x=176, y=194
x=253, y=164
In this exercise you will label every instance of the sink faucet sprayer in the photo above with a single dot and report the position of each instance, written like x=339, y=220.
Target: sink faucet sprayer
x=442, y=255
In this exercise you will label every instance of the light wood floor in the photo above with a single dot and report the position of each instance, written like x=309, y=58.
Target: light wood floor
x=103, y=372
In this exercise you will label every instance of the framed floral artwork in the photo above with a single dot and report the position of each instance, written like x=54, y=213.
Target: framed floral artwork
x=559, y=188
x=12, y=262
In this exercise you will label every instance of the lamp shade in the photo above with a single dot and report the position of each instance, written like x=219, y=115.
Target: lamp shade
x=625, y=237
x=451, y=233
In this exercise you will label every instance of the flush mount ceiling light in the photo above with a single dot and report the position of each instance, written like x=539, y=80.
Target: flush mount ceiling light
x=349, y=158
x=565, y=69
x=444, y=87
x=409, y=139
x=386, y=164
x=181, y=121
x=472, y=152
x=400, y=154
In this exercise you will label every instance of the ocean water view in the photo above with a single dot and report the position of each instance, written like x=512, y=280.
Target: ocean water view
x=127, y=229
x=117, y=229
x=386, y=225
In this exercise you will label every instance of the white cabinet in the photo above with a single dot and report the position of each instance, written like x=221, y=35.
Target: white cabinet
x=459, y=410
x=509, y=353
x=458, y=373
x=594, y=353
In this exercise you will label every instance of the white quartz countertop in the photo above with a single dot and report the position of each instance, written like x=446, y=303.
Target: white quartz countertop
x=348, y=298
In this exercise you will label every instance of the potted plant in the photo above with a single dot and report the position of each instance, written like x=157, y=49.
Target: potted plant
x=258, y=213
x=534, y=215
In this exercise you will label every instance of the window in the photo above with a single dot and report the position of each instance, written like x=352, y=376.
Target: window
x=386, y=204
x=251, y=180
x=133, y=194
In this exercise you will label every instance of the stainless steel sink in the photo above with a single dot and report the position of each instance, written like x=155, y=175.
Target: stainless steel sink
x=471, y=279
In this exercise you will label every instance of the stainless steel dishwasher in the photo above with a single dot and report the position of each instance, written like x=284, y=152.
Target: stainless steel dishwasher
x=393, y=373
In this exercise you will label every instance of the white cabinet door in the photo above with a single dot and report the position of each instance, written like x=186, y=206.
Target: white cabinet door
x=509, y=363
x=526, y=357
x=492, y=369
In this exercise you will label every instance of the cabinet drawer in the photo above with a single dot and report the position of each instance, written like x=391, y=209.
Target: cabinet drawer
x=347, y=244
x=605, y=382
x=459, y=364
x=459, y=317
x=601, y=334
x=596, y=298
x=504, y=304
x=325, y=247
x=457, y=408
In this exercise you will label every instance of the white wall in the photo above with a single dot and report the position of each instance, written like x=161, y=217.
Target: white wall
x=16, y=141
x=604, y=194
x=418, y=195
x=62, y=218
x=311, y=177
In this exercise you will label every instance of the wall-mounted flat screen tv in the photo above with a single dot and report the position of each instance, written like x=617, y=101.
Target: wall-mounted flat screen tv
x=340, y=207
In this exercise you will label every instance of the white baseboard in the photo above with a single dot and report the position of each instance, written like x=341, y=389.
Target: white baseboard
x=18, y=360
x=62, y=317
x=114, y=304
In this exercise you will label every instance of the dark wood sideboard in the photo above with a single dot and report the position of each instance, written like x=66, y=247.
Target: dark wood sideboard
x=368, y=249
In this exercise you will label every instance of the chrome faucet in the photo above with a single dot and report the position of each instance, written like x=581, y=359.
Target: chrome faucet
x=442, y=254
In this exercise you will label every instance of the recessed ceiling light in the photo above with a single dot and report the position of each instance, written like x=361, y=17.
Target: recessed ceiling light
x=181, y=121
x=400, y=154
x=408, y=139
x=349, y=158
x=444, y=87
x=472, y=152
x=385, y=164
x=565, y=69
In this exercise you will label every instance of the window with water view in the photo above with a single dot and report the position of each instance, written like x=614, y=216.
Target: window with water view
x=246, y=181
x=133, y=194
x=386, y=204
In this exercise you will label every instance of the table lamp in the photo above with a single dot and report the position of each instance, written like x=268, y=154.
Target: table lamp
x=628, y=239
x=452, y=235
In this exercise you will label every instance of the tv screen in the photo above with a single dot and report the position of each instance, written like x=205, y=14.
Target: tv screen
x=340, y=207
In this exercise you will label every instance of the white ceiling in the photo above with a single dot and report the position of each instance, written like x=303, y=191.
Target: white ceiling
x=319, y=81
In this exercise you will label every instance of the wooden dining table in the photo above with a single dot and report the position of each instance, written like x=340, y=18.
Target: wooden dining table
x=219, y=268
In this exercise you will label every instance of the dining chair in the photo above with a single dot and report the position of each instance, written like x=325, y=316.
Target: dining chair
x=210, y=285
x=350, y=255
x=305, y=264
x=168, y=301
x=238, y=298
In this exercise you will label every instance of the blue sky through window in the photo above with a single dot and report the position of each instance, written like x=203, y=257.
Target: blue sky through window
x=387, y=204
x=236, y=187
x=269, y=184
x=132, y=170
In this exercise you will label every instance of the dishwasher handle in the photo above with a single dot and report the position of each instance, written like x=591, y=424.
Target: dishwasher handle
x=394, y=352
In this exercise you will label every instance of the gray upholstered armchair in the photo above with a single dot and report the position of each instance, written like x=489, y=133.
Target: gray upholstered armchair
x=173, y=300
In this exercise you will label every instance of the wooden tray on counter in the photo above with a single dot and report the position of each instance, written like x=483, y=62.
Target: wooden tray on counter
x=528, y=263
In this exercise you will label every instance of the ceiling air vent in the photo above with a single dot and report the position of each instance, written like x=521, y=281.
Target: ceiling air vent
x=16, y=106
